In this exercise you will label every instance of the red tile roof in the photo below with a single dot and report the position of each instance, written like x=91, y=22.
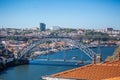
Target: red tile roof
x=115, y=78
x=93, y=71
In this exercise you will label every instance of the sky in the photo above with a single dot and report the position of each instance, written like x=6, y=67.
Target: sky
x=85, y=14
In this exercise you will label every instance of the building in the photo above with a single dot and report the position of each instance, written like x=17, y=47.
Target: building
x=42, y=26
x=34, y=28
x=109, y=29
x=55, y=28
x=100, y=71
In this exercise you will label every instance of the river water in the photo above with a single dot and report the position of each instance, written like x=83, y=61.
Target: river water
x=35, y=71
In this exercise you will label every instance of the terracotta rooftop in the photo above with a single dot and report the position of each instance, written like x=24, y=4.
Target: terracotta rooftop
x=115, y=78
x=102, y=71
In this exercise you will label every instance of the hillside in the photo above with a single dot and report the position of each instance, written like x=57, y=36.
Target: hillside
x=115, y=55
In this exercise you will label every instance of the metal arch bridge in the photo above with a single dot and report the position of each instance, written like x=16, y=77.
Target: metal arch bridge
x=75, y=43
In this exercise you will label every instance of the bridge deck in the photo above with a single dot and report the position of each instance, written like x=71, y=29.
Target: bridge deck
x=60, y=62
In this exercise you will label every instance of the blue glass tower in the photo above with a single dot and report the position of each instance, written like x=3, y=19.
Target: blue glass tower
x=42, y=26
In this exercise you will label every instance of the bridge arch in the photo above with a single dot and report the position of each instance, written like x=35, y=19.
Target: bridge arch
x=90, y=53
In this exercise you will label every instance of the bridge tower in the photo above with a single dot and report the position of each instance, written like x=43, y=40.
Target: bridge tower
x=98, y=58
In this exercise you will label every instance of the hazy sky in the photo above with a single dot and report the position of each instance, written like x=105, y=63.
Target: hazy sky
x=90, y=14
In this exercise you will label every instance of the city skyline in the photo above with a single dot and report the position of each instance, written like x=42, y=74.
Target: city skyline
x=64, y=13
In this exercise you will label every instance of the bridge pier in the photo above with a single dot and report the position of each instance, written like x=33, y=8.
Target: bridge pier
x=93, y=59
x=96, y=59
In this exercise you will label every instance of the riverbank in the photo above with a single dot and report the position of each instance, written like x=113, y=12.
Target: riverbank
x=15, y=62
x=37, y=53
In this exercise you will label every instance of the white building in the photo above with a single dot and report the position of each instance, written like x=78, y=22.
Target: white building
x=55, y=28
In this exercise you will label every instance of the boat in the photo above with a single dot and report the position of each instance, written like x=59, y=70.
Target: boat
x=74, y=57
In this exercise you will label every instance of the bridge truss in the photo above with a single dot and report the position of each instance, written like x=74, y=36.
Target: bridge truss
x=90, y=53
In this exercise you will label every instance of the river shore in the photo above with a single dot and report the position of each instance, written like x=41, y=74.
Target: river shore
x=15, y=62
